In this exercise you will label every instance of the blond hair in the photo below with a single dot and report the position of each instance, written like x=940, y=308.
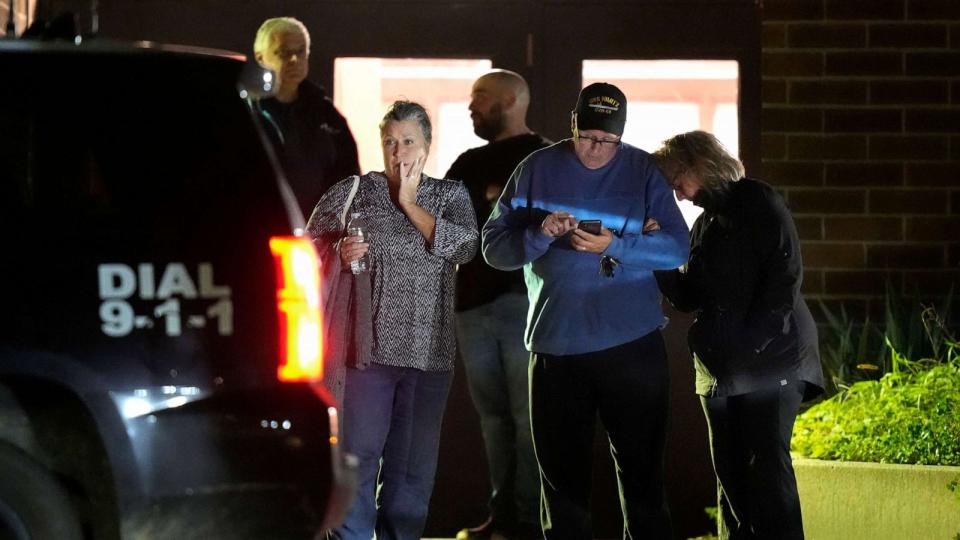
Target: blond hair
x=278, y=25
x=702, y=153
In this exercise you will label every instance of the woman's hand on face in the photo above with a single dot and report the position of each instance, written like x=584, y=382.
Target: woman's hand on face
x=591, y=243
x=351, y=249
x=410, y=179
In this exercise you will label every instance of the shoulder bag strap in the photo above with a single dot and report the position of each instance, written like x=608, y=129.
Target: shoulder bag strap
x=349, y=202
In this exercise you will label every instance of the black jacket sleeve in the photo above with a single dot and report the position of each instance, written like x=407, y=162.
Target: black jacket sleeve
x=777, y=248
x=676, y=285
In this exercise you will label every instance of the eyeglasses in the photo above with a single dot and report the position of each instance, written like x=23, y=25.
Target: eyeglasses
x=594, y=140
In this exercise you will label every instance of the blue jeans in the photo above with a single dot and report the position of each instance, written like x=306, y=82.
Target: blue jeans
x=391, y=422
x=496, y=363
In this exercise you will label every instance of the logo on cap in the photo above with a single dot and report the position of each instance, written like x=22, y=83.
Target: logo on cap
x=604, y=104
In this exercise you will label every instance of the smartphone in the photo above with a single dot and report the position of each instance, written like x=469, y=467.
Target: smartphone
x=591, y=226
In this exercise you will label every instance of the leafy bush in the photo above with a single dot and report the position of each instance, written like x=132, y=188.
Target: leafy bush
x=852, y=351
x=912, y=416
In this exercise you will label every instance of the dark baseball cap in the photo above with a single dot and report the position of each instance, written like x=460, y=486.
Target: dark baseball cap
x=601, y=106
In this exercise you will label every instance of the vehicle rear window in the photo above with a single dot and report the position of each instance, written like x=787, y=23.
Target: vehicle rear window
x=164, y=149
x=130, y=159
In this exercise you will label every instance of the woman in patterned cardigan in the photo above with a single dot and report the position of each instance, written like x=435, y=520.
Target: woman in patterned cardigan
x=419, y=229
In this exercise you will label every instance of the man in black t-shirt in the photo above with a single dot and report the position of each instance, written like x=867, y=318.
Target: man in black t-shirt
x=312, y=139
x=492, y=310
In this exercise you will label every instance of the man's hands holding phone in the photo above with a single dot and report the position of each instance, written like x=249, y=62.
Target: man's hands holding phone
x=583, y=241
x=560, y=223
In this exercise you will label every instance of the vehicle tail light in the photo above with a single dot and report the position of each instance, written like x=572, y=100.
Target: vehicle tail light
x=298, y=309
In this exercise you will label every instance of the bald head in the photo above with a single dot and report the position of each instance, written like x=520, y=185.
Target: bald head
x=498, y=105
x=511, y=85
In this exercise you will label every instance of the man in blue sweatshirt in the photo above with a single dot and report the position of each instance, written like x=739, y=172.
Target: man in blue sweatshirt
x=593, y=328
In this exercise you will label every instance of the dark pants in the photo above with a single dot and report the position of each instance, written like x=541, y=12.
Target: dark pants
x=391, y=422
x=750, y=445
x=629, y=386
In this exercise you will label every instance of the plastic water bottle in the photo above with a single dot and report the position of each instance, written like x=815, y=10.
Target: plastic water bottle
x=358, y=227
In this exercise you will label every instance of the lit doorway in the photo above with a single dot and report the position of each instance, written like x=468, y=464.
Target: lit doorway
x=365, y=87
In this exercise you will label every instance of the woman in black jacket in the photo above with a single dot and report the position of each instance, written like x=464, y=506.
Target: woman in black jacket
x=754, y=342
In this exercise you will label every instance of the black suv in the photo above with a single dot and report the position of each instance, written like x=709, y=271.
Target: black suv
x=159, y=321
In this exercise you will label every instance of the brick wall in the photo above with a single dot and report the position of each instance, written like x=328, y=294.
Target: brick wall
x=861, y=132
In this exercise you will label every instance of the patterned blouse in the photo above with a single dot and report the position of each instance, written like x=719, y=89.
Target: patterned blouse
x=411, y=282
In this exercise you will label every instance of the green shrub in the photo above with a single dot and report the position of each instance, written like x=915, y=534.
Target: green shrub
x=852, y=351
x=911, y=416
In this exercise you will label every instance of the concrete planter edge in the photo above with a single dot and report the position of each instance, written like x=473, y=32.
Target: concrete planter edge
x=847, y=500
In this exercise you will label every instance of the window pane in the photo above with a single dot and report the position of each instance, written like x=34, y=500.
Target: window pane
x=725, y=127
x=656, y=121
x=365, y=87
x=666, y=97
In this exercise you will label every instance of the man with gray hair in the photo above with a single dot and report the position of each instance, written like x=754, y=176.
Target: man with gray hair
x=312, y=139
